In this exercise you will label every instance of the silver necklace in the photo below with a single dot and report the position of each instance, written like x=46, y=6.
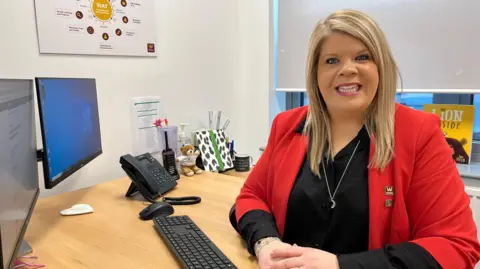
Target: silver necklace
x=332, y=200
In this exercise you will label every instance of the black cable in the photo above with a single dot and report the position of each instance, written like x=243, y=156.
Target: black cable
x=187, y=200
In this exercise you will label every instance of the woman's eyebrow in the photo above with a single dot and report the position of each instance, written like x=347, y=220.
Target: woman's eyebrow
x=363, y=51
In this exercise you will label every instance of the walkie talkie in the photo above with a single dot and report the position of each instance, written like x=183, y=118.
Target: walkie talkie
x=168, y=156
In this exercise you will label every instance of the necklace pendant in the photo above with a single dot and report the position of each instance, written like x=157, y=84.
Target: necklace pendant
x=333, y=204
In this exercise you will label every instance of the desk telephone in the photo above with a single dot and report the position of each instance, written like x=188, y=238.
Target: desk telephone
x=148, y=176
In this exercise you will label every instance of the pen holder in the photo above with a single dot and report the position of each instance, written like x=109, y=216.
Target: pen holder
x=242, y=162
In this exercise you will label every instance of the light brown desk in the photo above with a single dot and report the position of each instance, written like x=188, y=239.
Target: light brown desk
x=114, y=237
x=242, y=175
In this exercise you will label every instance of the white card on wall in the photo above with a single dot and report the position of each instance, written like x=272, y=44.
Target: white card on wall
x=144, y=111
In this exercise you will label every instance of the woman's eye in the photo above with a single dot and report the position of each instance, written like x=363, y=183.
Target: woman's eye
x=363, y=57
x=331, y=61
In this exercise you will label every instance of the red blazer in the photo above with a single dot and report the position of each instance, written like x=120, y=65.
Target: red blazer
x=430, y=206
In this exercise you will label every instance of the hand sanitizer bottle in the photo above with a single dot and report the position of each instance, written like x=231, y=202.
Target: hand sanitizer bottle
x=182, y=137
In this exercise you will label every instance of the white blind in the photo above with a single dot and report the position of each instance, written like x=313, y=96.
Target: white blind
x=436, y=43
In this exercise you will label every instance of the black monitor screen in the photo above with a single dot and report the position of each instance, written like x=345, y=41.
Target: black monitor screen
x=19, y=186
x=70, y=125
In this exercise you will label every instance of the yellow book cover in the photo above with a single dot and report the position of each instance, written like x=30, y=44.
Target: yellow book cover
x=457, y=126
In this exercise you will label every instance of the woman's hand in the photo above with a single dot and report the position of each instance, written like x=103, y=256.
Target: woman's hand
x=265, y=261
x=304, y=258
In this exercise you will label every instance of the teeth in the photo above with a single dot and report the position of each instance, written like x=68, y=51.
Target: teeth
x=352, y=88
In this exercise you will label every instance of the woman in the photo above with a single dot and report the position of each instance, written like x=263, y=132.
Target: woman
x=356, y=180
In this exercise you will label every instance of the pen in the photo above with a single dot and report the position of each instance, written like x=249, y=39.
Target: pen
x=210, y=118
x=232, y=150
x=219, y=116
x=225, y=125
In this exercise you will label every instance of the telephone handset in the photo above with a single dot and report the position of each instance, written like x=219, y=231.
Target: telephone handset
x=148, y=176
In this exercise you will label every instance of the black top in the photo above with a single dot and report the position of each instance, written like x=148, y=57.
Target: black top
x=343, y=230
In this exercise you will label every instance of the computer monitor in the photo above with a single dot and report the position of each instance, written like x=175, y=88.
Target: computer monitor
x=19, y=187
x=70, y=126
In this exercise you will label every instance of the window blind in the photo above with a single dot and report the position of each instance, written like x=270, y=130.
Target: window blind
x=435, y=42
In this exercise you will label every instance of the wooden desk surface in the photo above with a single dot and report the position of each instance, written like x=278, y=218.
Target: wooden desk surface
x=242, y=175
x=114, y=236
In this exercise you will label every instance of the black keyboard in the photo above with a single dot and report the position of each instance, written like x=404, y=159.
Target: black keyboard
x=189, y=244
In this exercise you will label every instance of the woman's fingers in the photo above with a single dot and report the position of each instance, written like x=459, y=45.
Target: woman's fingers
x=287, y=252
x=290, y=263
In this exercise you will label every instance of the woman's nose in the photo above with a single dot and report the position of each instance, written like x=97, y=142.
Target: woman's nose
x=348, y=69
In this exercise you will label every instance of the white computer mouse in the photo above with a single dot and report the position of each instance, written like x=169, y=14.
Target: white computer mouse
x=77, y=209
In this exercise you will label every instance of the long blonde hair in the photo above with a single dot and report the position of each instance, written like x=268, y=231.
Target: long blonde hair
x=379, y=119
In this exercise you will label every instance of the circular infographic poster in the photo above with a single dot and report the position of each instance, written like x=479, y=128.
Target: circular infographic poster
x=99, y=27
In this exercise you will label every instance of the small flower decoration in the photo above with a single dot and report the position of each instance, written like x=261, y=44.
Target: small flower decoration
x=159, y=122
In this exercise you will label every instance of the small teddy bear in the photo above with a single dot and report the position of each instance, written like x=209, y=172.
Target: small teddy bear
x=188, y=159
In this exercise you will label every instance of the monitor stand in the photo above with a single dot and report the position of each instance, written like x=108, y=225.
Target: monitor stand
x=24, y=249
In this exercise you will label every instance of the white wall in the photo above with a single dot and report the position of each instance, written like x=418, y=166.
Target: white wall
x=256, y=92
x=196, y=70
x=253, y=81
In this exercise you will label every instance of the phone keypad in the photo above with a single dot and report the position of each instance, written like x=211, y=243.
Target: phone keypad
x=161, y=177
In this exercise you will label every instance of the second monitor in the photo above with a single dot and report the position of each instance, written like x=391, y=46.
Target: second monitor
x=68, y=110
